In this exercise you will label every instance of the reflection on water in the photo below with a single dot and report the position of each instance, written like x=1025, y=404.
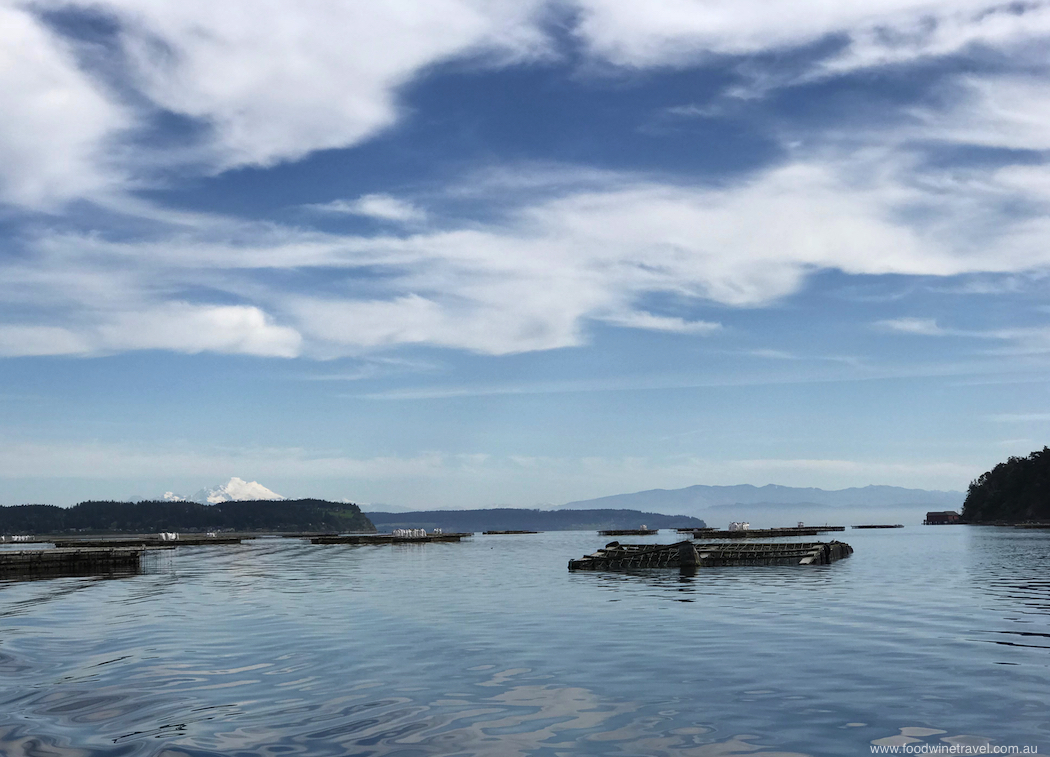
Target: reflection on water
x=491, y=647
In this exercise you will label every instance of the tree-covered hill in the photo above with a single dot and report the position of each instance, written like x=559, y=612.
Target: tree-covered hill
x=149, y=517
x=1016, y=491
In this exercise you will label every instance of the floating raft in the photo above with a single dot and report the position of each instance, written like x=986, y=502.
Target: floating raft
x=687, y=554
x=31, y=563
x=895, y=525
x=386, y=539
x=508, y=533
x=758, y=533
x=629, y=532
x=148, y=541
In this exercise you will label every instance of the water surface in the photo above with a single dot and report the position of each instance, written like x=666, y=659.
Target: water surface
x=937, y=635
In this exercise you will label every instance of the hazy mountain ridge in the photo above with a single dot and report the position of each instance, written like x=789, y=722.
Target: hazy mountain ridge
x=506, y=519
x=693, y=499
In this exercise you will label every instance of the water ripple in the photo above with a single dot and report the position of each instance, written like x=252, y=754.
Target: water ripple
x=490, y=647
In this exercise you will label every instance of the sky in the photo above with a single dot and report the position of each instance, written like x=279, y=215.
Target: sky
x=454, y=253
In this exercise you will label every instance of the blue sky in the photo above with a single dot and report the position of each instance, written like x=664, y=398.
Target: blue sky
x=458, y=254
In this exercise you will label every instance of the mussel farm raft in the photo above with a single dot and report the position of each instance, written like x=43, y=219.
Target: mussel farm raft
x=687, y=554
x=38, y=563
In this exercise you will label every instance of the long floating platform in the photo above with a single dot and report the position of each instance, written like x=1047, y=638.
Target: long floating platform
x=873, y=525
x=148, y=541
x=32, y=563
x=387, y=539
x=629, y=532
x=508, y=533
x=688, y=554
x=758, y=533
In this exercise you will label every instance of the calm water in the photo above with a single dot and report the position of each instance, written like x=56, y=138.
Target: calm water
x=491, y=647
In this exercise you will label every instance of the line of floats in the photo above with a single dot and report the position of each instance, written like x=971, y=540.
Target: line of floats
x=700, y=547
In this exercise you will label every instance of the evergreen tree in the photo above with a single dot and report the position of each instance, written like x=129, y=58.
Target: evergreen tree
x=1015, y=491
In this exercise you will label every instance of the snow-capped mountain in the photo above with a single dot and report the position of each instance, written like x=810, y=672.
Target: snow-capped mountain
x=234, y=490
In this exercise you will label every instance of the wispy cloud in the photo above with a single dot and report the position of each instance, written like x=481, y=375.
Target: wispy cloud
x=1019, y=418
x=651, y=322
x=531, y=280
x=1022, y=341
x=549, y=253
x=56, y=120
x=771, y=354
x=921, y=326
x=352, y=61
x=875, y=34
x=175, y=326
x=374, y=366
x=380, y=206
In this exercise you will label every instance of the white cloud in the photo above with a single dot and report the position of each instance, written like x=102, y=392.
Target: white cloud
x=536, y=320
x=679, y=32
x=534, y=279
x=651, y=322
x=276, y=79
x=183, y=327
x=922, y=326
x=23, y=459
x=175, y=326
x=271, y=80
x=771, y=354
x=1019, y=418
x=20, y=341
x=381, y=206
x=1021, y=341
x=528, y=284
x=911, y=29
x=1033, y=340
x=575, y=250
x=1009, y=111
x=55, y=121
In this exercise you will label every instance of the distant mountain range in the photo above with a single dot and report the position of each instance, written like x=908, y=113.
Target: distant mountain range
x=694, y=500
x=507, y=519
x=769, y=505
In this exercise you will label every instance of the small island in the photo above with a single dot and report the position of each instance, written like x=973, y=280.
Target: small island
x=1013, y=492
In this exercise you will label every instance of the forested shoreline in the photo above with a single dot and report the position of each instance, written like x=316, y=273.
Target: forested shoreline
x=97, y=517
x=1015, y=491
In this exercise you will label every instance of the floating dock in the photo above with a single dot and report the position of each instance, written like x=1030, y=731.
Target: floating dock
x=758, y=533
x=387, y=539
x=629, y=532
x=508, y=533
x=688, y=554
x=34, y=563
x=148, y=541
x=895, y=525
